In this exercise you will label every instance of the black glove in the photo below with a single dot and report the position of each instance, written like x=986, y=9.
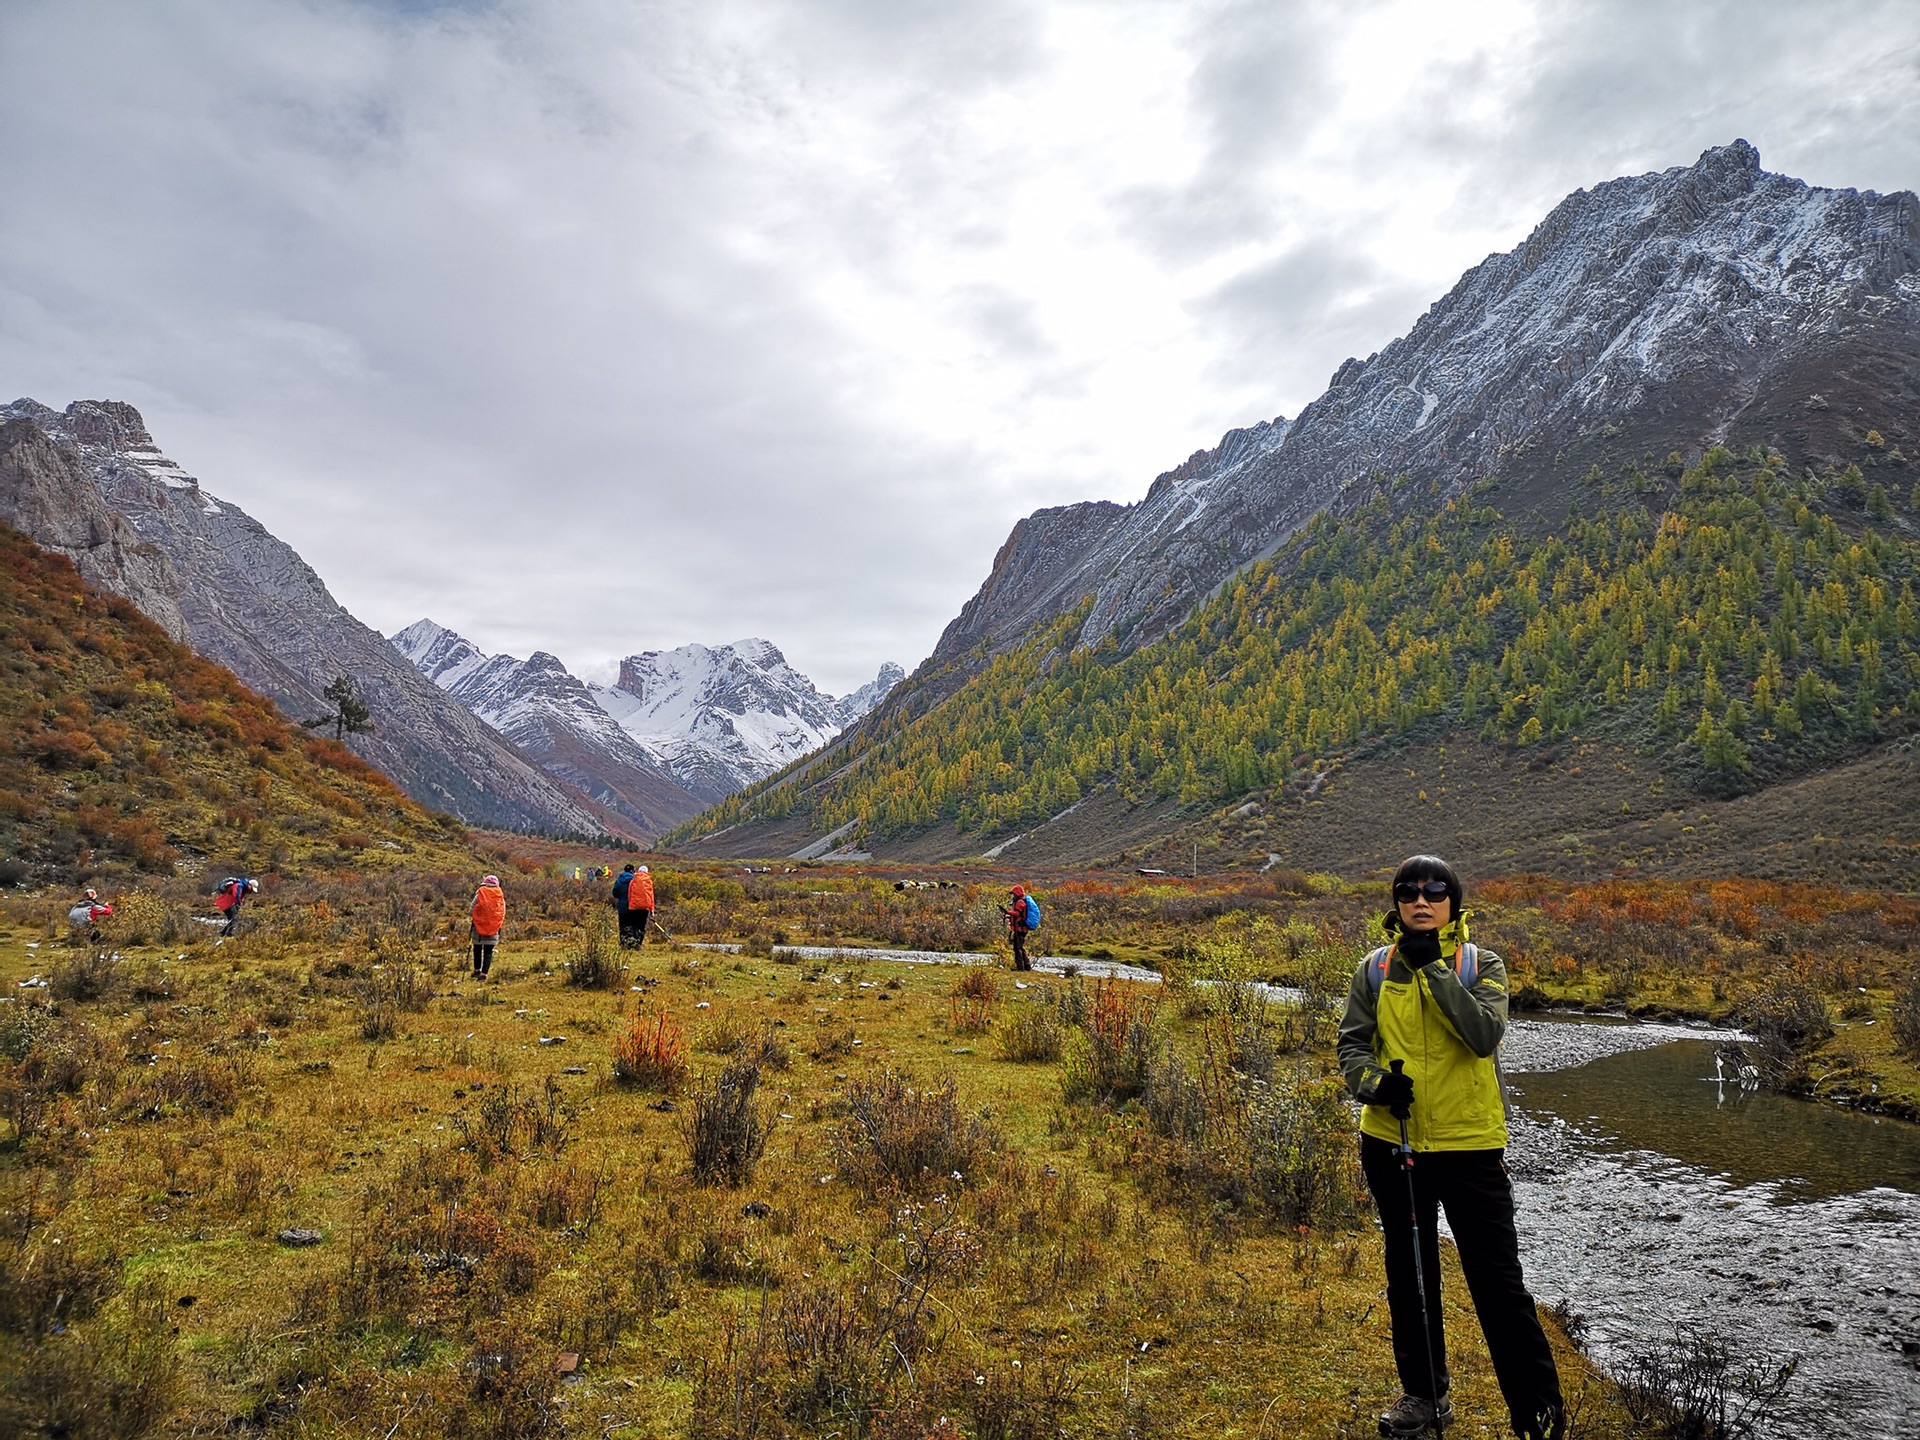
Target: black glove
x=1420, y=947
x=1395, y=1091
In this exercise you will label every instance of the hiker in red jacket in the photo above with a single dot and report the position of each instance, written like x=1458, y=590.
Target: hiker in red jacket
x=228, y=899
x=1023, y=915
x=489, y=916
x=87, y=912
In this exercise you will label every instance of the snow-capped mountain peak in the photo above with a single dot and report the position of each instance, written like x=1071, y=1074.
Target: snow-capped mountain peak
x=863, y=700
x=552, y=717
x=710, y=719
x=726, y=715
x=438, y=653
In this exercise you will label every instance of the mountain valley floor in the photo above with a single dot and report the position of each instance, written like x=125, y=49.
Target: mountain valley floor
x=679, y=1192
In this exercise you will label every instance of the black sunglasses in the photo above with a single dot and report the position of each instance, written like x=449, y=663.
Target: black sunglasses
x=1408, y=891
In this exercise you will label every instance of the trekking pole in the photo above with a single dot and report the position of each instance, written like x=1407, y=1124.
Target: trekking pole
x=1419, y=1265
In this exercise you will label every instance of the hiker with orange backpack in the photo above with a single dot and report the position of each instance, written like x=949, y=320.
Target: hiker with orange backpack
x=633, y=905
x=489, y=917
x=1425, y=1014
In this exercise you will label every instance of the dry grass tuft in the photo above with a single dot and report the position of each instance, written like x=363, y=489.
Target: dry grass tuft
x=908, y=1138
x=727, y=1132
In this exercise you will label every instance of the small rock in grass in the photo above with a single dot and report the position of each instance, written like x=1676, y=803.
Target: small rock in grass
x=299, y=1237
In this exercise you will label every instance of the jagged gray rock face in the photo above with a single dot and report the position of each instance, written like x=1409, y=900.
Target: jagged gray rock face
x=253, y=605
x=46, y=496
x=552, y=717
x=1172, y=541
x=1706, y=304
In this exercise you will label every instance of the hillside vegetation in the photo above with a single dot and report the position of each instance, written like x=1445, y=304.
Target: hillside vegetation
x=1739, y=626
x=122, y=752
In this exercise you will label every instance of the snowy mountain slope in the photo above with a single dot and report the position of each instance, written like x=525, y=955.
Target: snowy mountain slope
x=250, y=603
x=553, y=718
x=722, y=717
x=1057, y=557
x=679, y=730
x=862, y=701
x=1710, y=303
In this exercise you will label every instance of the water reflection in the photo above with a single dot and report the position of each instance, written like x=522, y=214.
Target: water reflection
x=1667, y=1100
x=1651, y=1195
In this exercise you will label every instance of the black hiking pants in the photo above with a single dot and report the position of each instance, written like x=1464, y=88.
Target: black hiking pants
x=1020, y=961
x=1473, y=1186
x=633, y=928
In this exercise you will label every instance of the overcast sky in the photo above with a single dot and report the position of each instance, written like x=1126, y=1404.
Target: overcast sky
x=597, y=326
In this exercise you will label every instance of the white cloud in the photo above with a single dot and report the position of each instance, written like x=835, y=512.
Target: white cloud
x=605, y=326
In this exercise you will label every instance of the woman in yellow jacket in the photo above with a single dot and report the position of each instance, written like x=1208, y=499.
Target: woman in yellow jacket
x=1437, y=1004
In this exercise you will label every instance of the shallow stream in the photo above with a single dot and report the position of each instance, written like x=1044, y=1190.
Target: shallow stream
x=1651, y=1196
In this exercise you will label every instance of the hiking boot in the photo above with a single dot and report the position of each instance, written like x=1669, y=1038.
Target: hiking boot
x=1412, y=1415
x=1549, y=1422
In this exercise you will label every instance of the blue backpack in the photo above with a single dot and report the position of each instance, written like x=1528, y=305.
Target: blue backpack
x=1033, y=913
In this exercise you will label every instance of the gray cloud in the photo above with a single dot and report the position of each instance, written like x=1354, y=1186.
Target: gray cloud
x=1284, y=316
x=602, y=327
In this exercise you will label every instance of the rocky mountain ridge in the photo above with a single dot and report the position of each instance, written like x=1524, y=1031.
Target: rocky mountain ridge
x=247, y=601
x=47, y=497
x=723, y=716
x=553, y=718
x=703, y=720
x=1714, y=303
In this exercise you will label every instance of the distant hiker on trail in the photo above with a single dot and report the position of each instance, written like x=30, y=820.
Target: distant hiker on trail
x=1424, y=1016
x=489, y=918
x=231, y=895
x=1023, y=916
x=87, y=912
x=633, y=904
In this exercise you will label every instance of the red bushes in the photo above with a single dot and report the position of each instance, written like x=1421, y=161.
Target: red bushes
x=652, y=1053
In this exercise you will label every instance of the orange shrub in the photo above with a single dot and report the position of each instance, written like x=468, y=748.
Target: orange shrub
x=652, y=1053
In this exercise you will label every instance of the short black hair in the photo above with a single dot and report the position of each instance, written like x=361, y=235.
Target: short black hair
x=1424, y=867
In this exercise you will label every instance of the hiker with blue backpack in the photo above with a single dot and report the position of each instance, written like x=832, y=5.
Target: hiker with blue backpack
x=230, y=897
x=1425, y=1014
x=1023, y=917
